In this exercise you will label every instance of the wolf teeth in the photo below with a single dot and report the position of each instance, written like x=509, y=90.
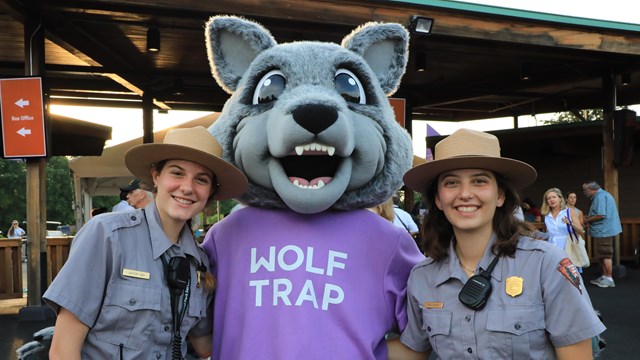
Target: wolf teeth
x=330, y=150
x=319, y=185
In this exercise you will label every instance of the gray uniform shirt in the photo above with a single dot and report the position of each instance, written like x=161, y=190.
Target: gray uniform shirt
x=114, y=283
x=548, y=307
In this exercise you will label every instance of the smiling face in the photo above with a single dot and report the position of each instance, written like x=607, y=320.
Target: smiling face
x=469, y=198
x=183, y=190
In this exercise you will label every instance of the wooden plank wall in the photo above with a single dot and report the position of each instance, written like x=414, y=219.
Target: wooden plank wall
x=10, y=269
x=57, y=255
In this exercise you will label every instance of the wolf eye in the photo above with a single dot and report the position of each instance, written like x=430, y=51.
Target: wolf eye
x=348, y=85
x=269, y=88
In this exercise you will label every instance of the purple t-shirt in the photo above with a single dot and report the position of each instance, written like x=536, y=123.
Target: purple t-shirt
x=297, y=286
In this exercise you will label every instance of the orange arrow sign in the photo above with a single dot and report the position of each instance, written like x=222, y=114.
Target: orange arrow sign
x=23, y=131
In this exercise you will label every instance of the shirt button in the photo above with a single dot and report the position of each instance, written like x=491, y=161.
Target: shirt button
x=132, y=301
x=134, y=219
x=469, y=350
x=158, y=355
x=468, y=318
x=517, y=326
x=429, y=328
x=167, y=328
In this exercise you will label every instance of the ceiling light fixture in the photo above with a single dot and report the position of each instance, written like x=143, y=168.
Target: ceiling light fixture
x=525, y=71
x=421, y=24
x=178, y=86
x=421, y=61
x=625, y=79
x=153, y=39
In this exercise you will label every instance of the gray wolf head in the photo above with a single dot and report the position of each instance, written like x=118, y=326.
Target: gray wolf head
x=309, y=123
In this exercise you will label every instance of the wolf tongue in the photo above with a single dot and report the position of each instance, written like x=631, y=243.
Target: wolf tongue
x=305, y=182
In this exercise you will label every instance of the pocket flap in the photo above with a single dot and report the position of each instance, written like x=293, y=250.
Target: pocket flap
x=437, y=322
x=516, y=321
x=134, y=296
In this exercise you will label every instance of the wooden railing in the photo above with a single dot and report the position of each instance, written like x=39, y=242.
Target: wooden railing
x=10, y=268
x=629, y=239
x=57, y=254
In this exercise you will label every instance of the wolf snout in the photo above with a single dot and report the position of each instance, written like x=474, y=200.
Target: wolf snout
x=315, y=117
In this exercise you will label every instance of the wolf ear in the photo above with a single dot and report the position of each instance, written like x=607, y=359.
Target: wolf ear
x=232, y=44
x=385, y=48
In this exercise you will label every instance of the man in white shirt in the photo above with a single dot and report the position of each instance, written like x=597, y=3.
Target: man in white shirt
x=123, y=205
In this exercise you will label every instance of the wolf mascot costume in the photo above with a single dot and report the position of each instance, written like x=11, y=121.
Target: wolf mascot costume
x=304, y=271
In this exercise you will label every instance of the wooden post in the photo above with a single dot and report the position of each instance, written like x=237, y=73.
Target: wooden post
x=147, y=117
x=78, y=202
x=36, y=225
x=36, y=179
x=610, y=171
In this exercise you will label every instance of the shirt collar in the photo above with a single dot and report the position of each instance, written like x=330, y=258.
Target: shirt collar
x=160, y=243
x=451, y=265
x=487, y=258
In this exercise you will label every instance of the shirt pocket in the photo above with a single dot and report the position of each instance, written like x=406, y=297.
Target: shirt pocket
x=518, y=333
x=128, y=313
x=437, y=326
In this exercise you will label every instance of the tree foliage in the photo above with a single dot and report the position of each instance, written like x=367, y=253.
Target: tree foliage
x=211, y=215
x=59, y=190
x=569, y=117
x=13, y=191
x=13, y=195
x=105, y=201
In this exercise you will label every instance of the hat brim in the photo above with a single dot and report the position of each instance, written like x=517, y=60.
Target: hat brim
x=517, y=173
x=140, y=159
x=135, y=184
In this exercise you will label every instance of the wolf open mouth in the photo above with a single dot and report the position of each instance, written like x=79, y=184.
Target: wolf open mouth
x=312, y=166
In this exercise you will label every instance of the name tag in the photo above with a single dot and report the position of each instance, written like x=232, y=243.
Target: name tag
x=433, y=305
x=136, y=274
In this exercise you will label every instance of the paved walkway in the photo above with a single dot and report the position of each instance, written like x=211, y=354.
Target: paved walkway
x=15, y=332
x=620, y=308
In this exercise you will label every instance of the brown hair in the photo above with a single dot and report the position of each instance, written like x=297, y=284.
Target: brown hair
x=386, y=210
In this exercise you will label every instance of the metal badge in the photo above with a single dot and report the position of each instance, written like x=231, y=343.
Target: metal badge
x=514, y=286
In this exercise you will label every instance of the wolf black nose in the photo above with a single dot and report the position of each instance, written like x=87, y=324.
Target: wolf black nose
x=315, y=117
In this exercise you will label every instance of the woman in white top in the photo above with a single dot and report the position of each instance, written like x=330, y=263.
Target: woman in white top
x=556, y=217
x=15, y=231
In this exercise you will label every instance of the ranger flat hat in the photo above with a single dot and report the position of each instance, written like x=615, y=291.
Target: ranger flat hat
x=194, y=144
x=470, y=149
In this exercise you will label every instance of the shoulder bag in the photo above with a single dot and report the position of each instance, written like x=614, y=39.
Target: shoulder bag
x=575, y=246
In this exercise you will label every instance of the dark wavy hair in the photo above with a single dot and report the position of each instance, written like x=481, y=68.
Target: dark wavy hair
x=437, y=231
